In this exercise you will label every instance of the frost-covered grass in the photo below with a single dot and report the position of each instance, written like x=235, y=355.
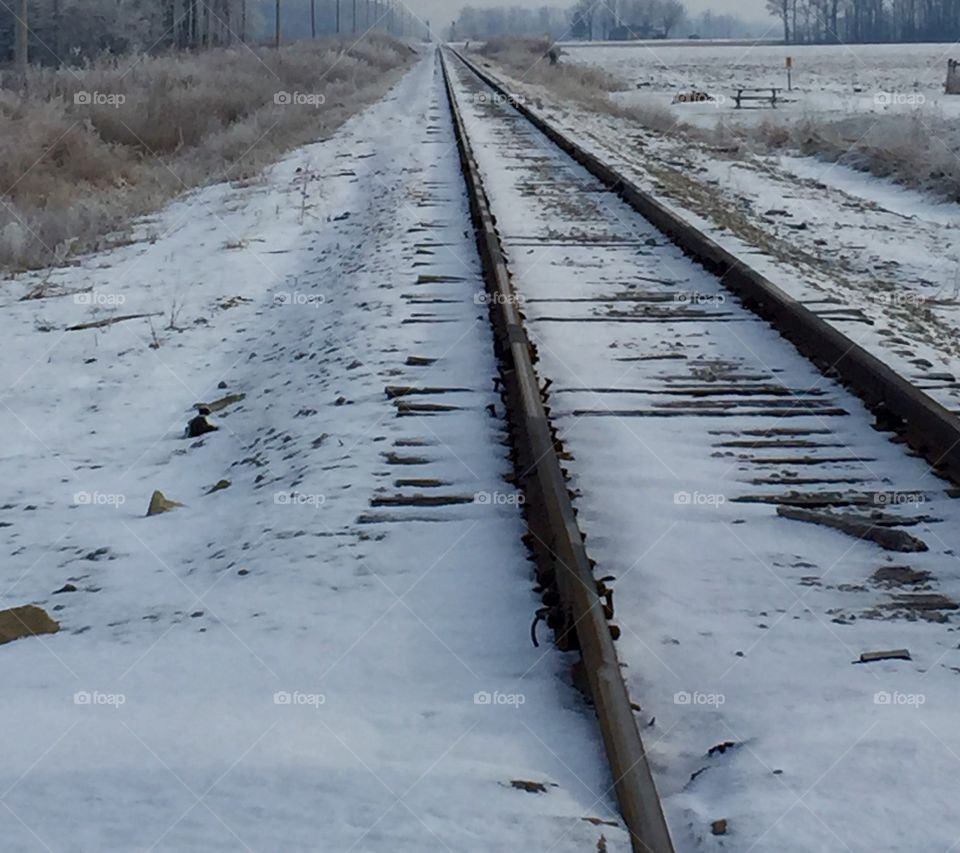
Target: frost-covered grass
x=528, y=61
x=82, y=152
x=914, y=150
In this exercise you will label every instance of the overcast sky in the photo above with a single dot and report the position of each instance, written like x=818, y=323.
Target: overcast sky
x=441, y=12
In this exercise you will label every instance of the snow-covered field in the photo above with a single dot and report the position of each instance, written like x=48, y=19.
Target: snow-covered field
x=829, y=81
x=300, y=658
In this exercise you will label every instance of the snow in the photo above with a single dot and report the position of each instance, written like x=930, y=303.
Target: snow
x=829, y=81
x=281, y=664
x=885, y=194
x=740, y=628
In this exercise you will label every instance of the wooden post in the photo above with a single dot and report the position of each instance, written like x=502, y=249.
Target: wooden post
x=276, y=39
x=313, y=19
x=953, y=77
x=789, y=73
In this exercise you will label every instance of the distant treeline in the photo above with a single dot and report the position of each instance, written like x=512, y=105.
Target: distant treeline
x=867, y=20
x=801, y=21
x=603, y=20
x=74, y=31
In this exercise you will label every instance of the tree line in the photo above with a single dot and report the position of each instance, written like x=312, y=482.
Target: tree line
x=849, y=21
x=801, y=21
x=69, y=32
x=591, y=20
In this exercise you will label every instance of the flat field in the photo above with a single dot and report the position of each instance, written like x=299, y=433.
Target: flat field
x=834, y=81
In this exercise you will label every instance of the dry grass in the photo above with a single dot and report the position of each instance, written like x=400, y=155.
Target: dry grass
x=72, y=173
x=527, y=60
x=914, y=150
x=917, y=150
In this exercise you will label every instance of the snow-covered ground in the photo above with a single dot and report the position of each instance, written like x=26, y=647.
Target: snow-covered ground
x=305, y=659
x=689, y=420
x=879, y=261
x=828, y=81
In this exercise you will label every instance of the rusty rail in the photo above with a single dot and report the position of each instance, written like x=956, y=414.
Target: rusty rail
x=579, y=616
x=928, y=427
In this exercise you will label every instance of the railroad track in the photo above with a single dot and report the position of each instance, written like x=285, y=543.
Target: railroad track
x=643, y=378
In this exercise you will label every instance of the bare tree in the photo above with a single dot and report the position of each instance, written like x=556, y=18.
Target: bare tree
x=670, y=13
x=781, y=9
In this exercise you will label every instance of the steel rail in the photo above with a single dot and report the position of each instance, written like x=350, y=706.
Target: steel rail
x=580, y=617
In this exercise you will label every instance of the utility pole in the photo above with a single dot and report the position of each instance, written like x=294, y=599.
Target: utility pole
x=338, y=17
x=22, y=41
x=276, y=40
x=313, y=19
x=58, y=29
x=354, y=17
